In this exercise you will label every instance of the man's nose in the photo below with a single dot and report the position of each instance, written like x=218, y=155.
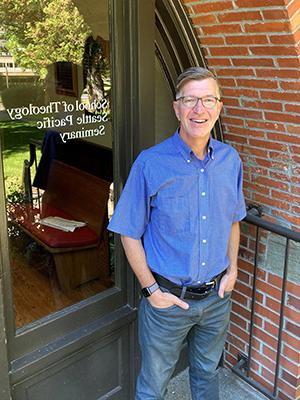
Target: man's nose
x=199, y=106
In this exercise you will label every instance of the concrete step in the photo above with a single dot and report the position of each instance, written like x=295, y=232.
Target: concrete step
x=231, y=387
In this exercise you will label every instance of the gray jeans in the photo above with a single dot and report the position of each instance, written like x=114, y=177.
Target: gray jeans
x=162, y=332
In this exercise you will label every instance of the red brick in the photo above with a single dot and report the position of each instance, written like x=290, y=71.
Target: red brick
x=229, y=101
x=262, y=381
x=286, y=138
x=293, y=7
x=292, y=380
x=239, y=298
x=292, y=341
x=269, y=376
x=226, y=82
x=282, y=117
x=289, y=366
x=290, y=353
x=278, y=73
x=238, y=321
x=273, y=50
x=267, y=27
x=240, y=16
x=295, y=129
x=258, y=83
x=270, y=290
x=244, y=113
x=295, y=190
x=221, y=29
x=271, y=202
x=253, y=39
x=206, y=7
x=265, y=337
x=239, y=333
x=292, y=314
x=282, y=39
x=275, y=14
x=260, y=358
x=266, y=126
x=258, y=3
x=241, y=311
x=275, y=280
x=253, y=62
x=292, y=328
x=279, y=155
x=271, y=183
x=229, y=51
x=204, y=20
x=232, y=121
x=280, y=96
x=240, y=92
x=285, y=196
x=263, y=105
x=235, y=72
x=235, y=341
x=293, y=108
x=266, y=313
x=270, y=353
x=213, y=40
x=294, y=220
x=270, y=164
x=289, y=390
x=219, y=61
x=288, y=62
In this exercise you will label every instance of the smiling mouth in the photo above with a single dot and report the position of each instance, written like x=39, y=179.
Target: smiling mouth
x=199, y=121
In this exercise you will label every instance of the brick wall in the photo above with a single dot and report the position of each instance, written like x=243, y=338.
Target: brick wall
x=253, y=46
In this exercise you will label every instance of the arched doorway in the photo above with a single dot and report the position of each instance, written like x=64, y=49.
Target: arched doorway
x=68, y=313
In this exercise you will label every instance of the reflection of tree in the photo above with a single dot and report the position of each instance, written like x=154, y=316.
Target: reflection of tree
x=41, y=32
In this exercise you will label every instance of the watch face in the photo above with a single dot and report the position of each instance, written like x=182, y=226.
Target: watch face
x=146, y=292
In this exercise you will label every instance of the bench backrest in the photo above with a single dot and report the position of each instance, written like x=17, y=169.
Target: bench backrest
x=77, y=193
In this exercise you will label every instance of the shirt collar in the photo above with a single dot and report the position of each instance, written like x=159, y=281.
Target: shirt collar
x=186, y=151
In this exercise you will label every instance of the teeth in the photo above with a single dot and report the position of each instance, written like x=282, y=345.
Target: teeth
x=199, y=120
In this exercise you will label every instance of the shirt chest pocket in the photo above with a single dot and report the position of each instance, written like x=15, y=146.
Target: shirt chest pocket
x=173, y=214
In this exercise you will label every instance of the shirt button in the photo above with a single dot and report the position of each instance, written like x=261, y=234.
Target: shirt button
x=204, y=217
x=202, y=170
x=203, y=263
x=203, y=194
x=188, y=160
x=204, y=241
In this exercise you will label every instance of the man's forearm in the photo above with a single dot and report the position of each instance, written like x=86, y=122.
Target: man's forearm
x=233, y=247
x=135, y=254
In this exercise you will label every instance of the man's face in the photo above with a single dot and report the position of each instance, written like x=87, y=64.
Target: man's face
x=197, y=122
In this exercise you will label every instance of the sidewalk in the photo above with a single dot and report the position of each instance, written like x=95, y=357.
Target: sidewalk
x=231, y=387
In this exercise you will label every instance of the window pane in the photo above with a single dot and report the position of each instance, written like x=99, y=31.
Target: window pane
x=56, y=142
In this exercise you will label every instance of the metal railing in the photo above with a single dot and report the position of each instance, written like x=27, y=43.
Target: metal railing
x=243, y=366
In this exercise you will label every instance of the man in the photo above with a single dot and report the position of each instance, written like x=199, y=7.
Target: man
x=178, y=217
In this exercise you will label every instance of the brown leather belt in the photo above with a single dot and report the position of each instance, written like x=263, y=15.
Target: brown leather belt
x=188, y=292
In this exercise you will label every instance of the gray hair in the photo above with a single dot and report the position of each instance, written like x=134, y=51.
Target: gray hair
x=196, y=74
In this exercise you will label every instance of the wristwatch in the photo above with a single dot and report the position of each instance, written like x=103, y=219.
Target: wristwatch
x=147, y=291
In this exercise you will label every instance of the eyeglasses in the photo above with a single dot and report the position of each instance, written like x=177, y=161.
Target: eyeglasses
x=208, y=102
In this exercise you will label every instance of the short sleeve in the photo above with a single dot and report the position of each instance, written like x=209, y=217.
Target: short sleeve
x=132, y=211
x=240, y=210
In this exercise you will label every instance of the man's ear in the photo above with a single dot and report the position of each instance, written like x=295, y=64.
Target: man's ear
x=176, y=110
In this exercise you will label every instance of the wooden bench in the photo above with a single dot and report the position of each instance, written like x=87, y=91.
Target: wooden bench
x=71, y=193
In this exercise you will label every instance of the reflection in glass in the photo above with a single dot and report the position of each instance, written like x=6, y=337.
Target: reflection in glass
x=55, y=120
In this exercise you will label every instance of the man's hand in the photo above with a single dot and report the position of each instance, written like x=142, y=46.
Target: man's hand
x=227, y=282
x=161, y=299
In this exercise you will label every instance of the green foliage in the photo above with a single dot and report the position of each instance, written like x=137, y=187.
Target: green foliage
x=42, y=32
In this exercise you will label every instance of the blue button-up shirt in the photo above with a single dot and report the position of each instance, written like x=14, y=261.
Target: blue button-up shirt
x=182, y=208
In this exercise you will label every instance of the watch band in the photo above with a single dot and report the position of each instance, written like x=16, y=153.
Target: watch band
x=147, y=291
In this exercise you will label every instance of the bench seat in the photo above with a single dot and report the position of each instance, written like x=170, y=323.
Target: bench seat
x=28, y=217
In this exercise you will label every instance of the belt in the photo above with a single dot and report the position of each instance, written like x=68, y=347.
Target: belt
x=189, y=292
